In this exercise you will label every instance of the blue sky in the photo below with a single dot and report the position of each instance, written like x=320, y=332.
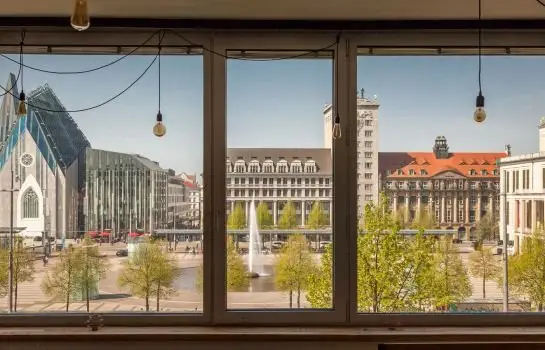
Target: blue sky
x=280, y=103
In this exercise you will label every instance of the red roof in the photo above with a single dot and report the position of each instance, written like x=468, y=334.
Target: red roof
x=426, y=165
x=191, y=185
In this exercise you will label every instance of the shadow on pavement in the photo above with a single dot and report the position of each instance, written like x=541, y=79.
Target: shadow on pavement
x=113, y=296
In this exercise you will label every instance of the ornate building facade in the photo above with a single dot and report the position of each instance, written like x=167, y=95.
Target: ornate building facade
x=457, y=189
x=278, y=175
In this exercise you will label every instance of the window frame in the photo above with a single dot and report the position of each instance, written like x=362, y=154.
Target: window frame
x=214, y=153
x=294, y=42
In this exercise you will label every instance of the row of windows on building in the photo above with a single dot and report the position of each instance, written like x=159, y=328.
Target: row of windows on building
x=449, y=201
x=268, y=166
x=280, y=193
x=448, y=185
x=424, y=172
x=366, y=144
x=514, y=183
x=278, y=181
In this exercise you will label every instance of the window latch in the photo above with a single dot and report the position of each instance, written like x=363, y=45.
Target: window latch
x=94, y=322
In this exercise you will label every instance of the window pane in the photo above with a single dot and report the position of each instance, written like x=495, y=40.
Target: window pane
x=279, y=184
x=103, y=210
x=429, y=237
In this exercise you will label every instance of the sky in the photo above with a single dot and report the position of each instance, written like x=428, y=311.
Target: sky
x=280, y=103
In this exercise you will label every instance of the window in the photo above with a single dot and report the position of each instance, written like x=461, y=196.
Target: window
x=368, y=165
x=368, y=154
x=296, y=166
x=368, y=176
x=30, y=204
x=412, y=172
x=368, y=133
x=282, y=166
x=253, y=167
x=268, y=166
x=310, y=166
x=368, y=123
x=423, y=172
x=472, y=172
x=368, y=144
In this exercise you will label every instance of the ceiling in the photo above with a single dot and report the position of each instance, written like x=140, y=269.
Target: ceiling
x=284, y=9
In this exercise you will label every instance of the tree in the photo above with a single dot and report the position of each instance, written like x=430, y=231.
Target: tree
x=91, y=269
x=4, y=272
x=391, y=269
x=237, y=276
x=423, y=220
x=293, y=267
x=139, y=272
x=237, y=218
x=483, y=264
x=288, y=219
x=264, y=218
x=317, y=218
x=487, y=228
x=526, y=271
x=450, y=277
x=165, y=274
x=319, y=291
x=60, y=283
x=23, y=269
x=402, y=217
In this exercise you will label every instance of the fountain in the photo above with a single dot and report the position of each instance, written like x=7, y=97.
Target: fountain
x=255, y=254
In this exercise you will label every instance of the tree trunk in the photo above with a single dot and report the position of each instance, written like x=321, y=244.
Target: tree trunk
x=291, y=299
x=87, y=295
x=484, y=286
x=15, y=296
x=158, y=293
x=68, y=289
x=298, y=298
x=147, y=302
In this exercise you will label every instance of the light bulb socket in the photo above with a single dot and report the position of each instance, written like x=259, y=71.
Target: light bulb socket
x=22, y=97
x=337, y=119
x=159, y=117
x=479, y=103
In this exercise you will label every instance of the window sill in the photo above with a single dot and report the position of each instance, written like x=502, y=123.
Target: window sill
x=277, y=334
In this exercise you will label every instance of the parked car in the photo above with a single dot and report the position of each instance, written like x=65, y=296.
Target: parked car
x=122, y=252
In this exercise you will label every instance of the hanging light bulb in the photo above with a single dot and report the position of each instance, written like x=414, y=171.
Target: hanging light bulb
x=21, y=110
x=159, y=129
x=480, y=113
x=337, y=128
x=80, y=20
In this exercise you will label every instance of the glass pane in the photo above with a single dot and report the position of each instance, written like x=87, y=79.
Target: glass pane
x=279, y=184
x=106, y=216
x=429, y=188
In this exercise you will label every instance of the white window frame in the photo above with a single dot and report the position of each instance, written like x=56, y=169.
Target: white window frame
x=223, y=44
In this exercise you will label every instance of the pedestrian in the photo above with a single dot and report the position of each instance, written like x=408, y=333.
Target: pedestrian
x=45, y=260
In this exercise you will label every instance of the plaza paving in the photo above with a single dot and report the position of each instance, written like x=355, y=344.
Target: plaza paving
x=114, y=299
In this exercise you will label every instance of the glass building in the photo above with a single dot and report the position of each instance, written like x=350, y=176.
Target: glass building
x=124, y=193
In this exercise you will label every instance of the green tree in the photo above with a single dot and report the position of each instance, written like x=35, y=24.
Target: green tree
x=4, y=272
x=317, y=218
x=165, y=274
x=23, y=269
x=288, y=219
x=423, y=220
x=294, y=265
x=237, y=276
x=450, y=277
x=526, y=271
x=237, y=218
x=484, y=265
x=319, y=291
x=60, y=282
x=488, y=228
x=92, y=267
x=139, y=272
x=402, y=217
x=264, y=218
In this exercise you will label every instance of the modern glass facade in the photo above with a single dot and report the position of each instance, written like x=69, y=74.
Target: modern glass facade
x=124, y=193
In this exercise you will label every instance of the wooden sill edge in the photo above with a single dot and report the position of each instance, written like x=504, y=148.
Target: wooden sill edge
x=275, y=334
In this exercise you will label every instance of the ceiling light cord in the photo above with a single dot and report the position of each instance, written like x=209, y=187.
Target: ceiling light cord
x=541, y=2
x=480, y=46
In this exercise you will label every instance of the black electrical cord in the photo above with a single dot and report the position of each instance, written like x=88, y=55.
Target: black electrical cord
x=86, y=70
x=480, y=46
x=14, y=84
x=541, y=2
x=306, y=53
x=95, y=106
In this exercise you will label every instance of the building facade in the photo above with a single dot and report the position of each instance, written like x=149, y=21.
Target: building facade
x=42, y=155
x=124, y=193
x=457, y=189
x=278, y=175
x=523, y=193
x=367, y=147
